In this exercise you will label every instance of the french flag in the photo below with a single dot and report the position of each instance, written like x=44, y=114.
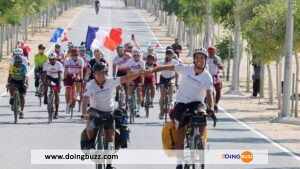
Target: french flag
x=59, y=33
x=108, y=37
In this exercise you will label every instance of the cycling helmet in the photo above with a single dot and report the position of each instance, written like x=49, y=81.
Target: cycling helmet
x=18, y=51
x=74, y=52
x=150, y=47
x=201, y=51
x=100, y=66
x=81, y=48
x=20, y=43
x=211, y=50
x=57, y=45
x=136, y=52
x=18, y=59
x=128, y=44
x=41, y=47
x=70, y=44
x=52, y=56
x=120, y=47
x=169, y=47
x=169, y=51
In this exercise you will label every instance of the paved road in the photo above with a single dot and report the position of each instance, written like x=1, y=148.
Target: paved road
x=33, y=132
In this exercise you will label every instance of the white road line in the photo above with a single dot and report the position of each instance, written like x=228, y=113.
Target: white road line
x=51, y=47
x=262, y=136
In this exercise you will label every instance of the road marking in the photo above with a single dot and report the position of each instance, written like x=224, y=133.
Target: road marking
x=51, y=47
x=289, y=152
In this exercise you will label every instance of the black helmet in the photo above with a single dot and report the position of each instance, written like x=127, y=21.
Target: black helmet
x=169, y=51
x=41, y=47
x=100, y=67
x=57, y=45
x=169, y=47
x=18, y=59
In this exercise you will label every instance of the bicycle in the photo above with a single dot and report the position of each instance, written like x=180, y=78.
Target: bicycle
x=194, y=140
x=73, y=99
x=100, y=143
x=147, y=103
x=51, y=101
x=132, y=104
x=121, y=101
x=16, y=106
x=167, y=104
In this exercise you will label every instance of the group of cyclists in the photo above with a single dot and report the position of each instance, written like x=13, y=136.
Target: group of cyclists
x=86, y=73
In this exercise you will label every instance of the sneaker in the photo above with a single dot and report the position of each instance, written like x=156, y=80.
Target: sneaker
x=67, y=109
x=21, y=115
x=216, y=108
x=117, y=97
x=55, y=115
x=45, y=100
x=179, y=166
x=161, y=115
x=137, y=114
x=36, y=93
x=110, y=167
x=11, y=101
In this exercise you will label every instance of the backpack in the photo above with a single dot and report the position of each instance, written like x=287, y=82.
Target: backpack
x=168, y=138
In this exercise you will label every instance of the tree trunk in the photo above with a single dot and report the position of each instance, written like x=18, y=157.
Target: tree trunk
x=229, y=57
x=270, y=88
x=262, y=84
x=248, y=73
x=208, y=26
x=190, y=40
x=180, y=30
x=297, y=84
x=170, y=24
x=1, y=41
x=26, y=28
x=278, y=84
x=161, y=14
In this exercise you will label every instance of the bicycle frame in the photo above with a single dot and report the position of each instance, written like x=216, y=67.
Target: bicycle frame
x=147, y=102
x=167, y=104
x=51, y=101
x=121, y=101
x=132, y=103
x=16, y=106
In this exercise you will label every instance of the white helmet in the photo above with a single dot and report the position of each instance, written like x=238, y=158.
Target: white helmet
x=150, y=47
x=136, y=52
x=18, y=51
x=201, y=51
x=70, y=44
x=52, y=56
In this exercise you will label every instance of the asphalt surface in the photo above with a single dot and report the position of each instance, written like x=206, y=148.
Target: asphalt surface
x=33, y=132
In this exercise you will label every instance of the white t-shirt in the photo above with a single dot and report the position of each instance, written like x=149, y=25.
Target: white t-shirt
x=86, y=58
x=74, y=67
x=213, y=68
x=52, y=70
x=145, y=55
x=121, y=62
x=60, y=55
x=102, y=99
x=166, y=73
x=24, y=61
x=135, y=66
x=192, y=88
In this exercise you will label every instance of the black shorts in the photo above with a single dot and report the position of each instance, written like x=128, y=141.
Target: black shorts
x=121, y=73
x=165, y=81
x=54, y=80
x=108, y=123
x=19, y=84
x=180, y=108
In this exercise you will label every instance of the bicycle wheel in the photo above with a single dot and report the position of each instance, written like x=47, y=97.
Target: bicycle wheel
x=147, y=102
x=79, y=105
x=71, y=110
x=197, y=144
x=50, y=108
x=16, y=107
x=100, y=146
x=166, y=108
x=40, y=93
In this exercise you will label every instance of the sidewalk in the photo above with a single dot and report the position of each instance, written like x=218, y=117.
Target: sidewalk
x=40, y=37
x=256, y=113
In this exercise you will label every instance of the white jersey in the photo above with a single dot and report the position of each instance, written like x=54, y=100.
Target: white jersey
x=213, y=68
x=102, y=98
x=145, y=55
x=86, y=58
x=72, y=66
x=167, y=73
x=59, y=55
x=121, y=62
x=135, y=66
x=24, y=61
x=52, y=70
x=192, y=87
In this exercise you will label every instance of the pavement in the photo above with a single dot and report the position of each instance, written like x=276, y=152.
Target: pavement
x=33, y=132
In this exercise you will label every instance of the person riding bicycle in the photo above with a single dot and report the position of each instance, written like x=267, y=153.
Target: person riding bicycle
x=19, y=52
x=167, y=79
x=135, y=65
x=214, y=63
x=70, y=48
x=98, y=58
x=73, y=74
x=99, y=94
x=52, y=73
x=149, y=79
x=39, y=60
x=120, y=69
x=195, y=86
x=17, y=80
x=86, y=58
x=150, y=51
x=128, y=47
x=26, y=49
x=60, y=55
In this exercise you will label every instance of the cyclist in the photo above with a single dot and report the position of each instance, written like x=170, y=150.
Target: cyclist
x=86, y=58
x=73, y=75
x=98, y=58
x=17, y=79
x=150, y=79
x=70, y=47
x=52, y=73
x=119, y=68
x=196, y=84
x=150, y=51
x=135, y=65
x=60, y=55
x=26, y=49
x=214, y=63
x=39, y=60
x=19, y=52
x=167, y=79
x=99, y=93
x=128, y=47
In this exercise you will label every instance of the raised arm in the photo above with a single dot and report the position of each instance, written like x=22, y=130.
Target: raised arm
x=163, y=67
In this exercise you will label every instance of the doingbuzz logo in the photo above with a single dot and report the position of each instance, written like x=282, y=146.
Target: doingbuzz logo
x=246, y=156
